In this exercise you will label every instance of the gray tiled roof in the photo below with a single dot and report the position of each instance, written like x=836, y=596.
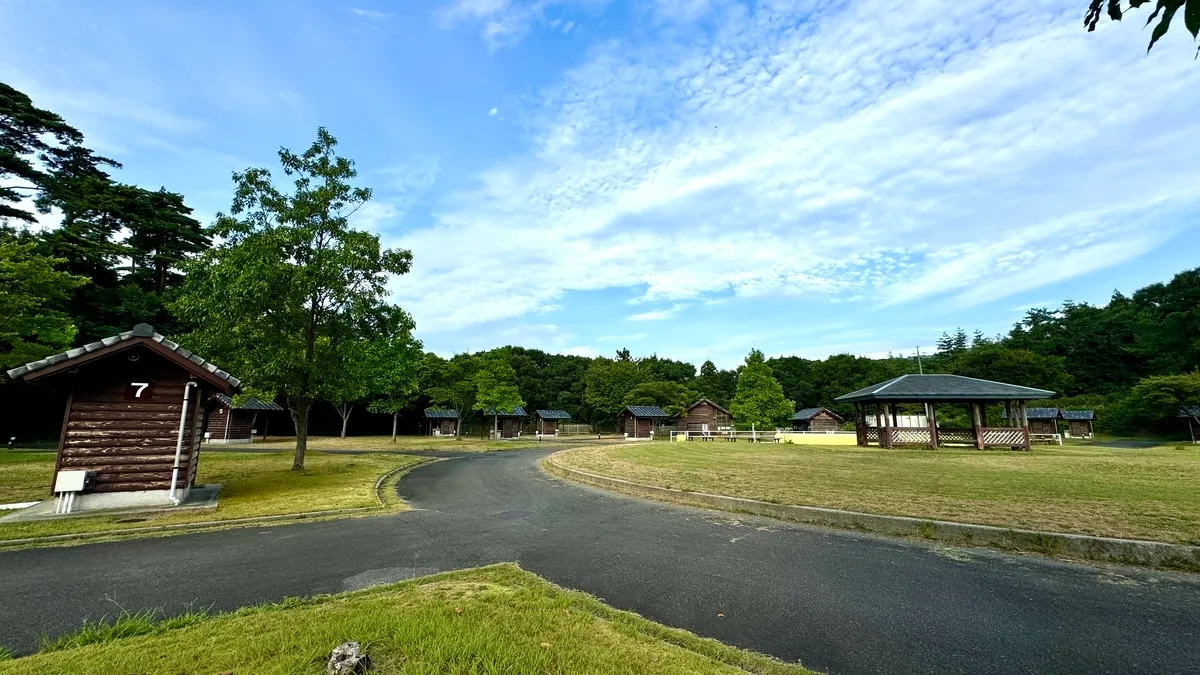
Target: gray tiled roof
x=515, y=412
x=553, y=414
x=918, y=388
x=809, y=413
x=141, y=330
x=1036, y=413
x=441, y=413
x=249, y=404
x=646, y=411
x=1078, y=415
x=1190, y=411
x=710, y=402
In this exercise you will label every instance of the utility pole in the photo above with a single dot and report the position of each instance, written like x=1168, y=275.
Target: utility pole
x=920, y=368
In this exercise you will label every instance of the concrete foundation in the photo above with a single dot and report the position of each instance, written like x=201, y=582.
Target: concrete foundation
x=227, y=441
x=120, y=503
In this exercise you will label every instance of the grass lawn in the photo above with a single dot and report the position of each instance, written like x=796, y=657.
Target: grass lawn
x=496, y=619
x=287, y=443
x=1151, y=493
x=256, y=484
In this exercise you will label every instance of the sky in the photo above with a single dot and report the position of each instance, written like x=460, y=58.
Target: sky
x=691, y=178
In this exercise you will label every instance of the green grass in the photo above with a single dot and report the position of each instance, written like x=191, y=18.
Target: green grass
x=1151, y=493
x=255, y=484
x=384, y=443
x=496, y=619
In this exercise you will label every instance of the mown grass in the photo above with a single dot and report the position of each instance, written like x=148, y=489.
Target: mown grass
x=496, y=619
x=384, y=443
x=1151, y=493
x=255, y=484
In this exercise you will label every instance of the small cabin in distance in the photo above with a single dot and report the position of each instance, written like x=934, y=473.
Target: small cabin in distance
x=816, y=419
x=1079, y=422
x=442, y=421
x=639, y=421
x=705, y=417
x=548, y=420
x=507, y=422
x=230, y=423
x=133, y=417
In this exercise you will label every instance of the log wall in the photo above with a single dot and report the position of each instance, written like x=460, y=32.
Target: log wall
x=131, y=441
x=704, y=413
x=223, y=427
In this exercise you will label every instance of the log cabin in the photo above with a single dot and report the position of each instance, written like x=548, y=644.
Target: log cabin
x=705, y=417
x=816, y=419
x=229, y=423
x=134, y=414
x=1079, y=422
x=442, y=421
x=548, y=421
x=1041, y=420
x=507, y=423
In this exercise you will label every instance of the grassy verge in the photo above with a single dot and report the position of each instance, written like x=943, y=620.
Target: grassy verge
x=1149, y=493
x=384, y=443
x=496, y=619
x=255, y=484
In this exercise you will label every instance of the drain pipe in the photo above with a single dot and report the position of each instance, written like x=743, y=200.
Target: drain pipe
x=187, y=388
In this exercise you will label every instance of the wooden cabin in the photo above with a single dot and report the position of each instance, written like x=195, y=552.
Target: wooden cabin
x=236, y=423
x=135, y=403
x=816, y=419
x=442, y=421
x=639, y=421
x=506, y=423
x=705, y=417
x=1041, y=420
x=1079, y=422
x=548, y=420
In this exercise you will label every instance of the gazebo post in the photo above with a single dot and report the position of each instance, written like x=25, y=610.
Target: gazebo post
x=931, y=420
x=1008, y=414
x=1025, y=426
x=977, y=424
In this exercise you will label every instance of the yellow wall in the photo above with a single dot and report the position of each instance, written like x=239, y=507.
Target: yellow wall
x=818, y=439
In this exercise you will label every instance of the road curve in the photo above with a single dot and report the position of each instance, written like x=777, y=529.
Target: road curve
x=836, y=601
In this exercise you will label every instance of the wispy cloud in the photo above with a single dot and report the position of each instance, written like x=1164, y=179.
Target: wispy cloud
x=621, y=338
x=372, y=14
x=895, y=152
x=503, y=23
x=658, y=314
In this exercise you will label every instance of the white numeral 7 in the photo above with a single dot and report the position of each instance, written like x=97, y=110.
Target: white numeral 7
x=141, y=387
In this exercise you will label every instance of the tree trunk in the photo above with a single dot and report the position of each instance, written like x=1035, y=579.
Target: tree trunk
x=344, y=410
x=395, y=417
x=300, y=417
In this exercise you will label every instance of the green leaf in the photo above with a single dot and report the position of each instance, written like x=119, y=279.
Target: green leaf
x=1169, y=8
x=1191, y=17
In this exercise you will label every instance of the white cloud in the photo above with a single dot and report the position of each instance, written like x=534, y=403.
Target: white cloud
x=503, y=23
x=493, y=112
x=894, y=152
x=658, y=314
x=372, y=14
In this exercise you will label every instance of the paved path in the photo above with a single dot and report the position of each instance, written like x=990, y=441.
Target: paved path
x=837, y=601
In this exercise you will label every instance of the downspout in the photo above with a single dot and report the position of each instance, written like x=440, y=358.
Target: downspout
x=187, y=388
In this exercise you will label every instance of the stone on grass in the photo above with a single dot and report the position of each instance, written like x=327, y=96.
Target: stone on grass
x=348, y=659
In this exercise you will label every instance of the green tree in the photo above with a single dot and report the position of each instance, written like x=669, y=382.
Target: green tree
x=1015, y=366
x=759, y=402
x=1153, y=404
x=396, y=376
x=672, y=397
x=715, y=385
x=495, y=385
x=669, y=370
x=795, y=375
x=1164, y=11
x=451, y=383
x=30, y=287
x=608, y=381
x=292, y=287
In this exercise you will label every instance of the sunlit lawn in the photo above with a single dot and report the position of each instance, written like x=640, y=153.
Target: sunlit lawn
x=457, y=444
x=497, y=619
x=1151, y=493
x=255, y=484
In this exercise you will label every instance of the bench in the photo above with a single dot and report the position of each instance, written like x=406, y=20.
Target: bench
x=1047, y=439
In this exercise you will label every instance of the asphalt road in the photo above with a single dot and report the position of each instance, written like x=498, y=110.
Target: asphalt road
x=836, y=601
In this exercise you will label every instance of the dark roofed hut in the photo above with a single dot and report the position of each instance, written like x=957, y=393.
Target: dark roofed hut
x=506, y=423
x=932, y=390
x=816, y=419
x=1041, y=420
x=638, y=421
x=1079, y=422
x=548, y=421
x=442, y=421
x=134, y=414
x=235, y=423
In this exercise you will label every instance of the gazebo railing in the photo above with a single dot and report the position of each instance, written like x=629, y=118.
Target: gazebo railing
x=992, y=436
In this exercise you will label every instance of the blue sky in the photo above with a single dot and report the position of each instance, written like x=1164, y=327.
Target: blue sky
x=687, y=177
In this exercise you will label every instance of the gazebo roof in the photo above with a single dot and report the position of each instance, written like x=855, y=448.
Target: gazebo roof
x=1036, y=414
x=553, y=414
x=933, y=388
x=646, y=411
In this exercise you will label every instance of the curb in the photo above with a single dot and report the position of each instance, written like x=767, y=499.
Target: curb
x=1080, y=546
x=209, y=524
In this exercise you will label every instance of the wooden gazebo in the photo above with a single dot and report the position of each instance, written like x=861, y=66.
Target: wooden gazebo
x=548, y=421
x=933, y=390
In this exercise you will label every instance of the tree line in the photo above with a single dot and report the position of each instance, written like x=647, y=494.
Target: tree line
x=282, y=291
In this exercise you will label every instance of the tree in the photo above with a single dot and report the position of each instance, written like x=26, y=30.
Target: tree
x=1155, y=401
x=667, y=369
x=672, y=397
x=1017, y=366
x=608, y=381
x=451, y=383
x=759, y=402
x=495, y=385
x=715, y=385
x=396, y=377
x=29, y=328
x=292, y=288
x=795, y=375
x=1164, y=11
